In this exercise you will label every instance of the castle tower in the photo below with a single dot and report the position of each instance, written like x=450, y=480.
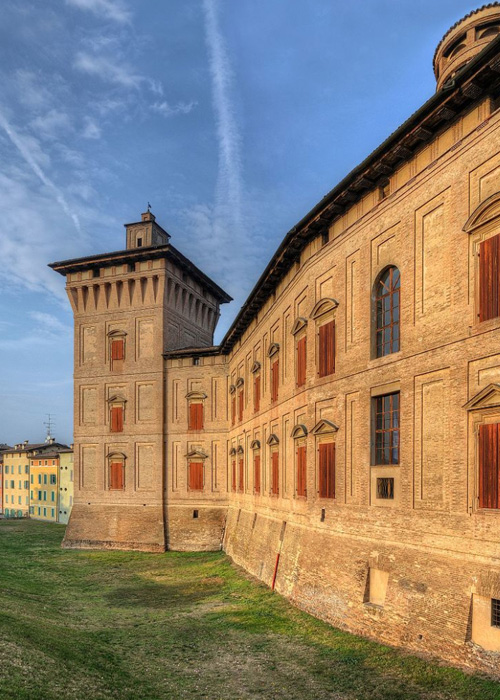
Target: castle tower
x=129, y=307
x=465, y=40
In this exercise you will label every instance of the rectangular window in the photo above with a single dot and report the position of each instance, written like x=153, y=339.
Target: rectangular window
x=52, y=511
x=275, y=379
x=386, y=423
x=256, y=393
x=233, y=409
x=301, y=471
x=240, y=406
x=45, y=478
x=326, y=349
x=53, y=496
x=39, y=478
x=489, y=466
x=196, y=476
x=240, y=475
x=275, y=473
x=301, y=361
x=495, y=612
x=52, y=478
x=489, y=278
x=116, y=419
x=256, y=473
x=117, y=349
x=327, y=470
x=39, y=495
x=32, y=478
x=195, y=416
x=233, y=475
x=385, y=487
x=116, y=476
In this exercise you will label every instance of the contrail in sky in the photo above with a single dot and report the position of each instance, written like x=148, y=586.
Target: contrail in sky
x=23, y=150
x=230, y=177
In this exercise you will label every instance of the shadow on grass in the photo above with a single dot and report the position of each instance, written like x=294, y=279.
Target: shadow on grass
x=147, y=594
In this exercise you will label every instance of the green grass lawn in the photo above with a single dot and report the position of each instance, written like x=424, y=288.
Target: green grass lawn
x=128, y=625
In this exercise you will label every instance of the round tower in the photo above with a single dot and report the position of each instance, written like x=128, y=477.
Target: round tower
x=465, y=40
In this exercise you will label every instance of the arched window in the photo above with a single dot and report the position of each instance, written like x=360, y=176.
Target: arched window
x=387, y=306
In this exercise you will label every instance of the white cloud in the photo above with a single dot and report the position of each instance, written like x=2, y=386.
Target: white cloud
x=168, y=110
x=107, y=70
x=49, y=323
x=51, y=124
x=25, y=145
x=91, y=129
x=110, y=9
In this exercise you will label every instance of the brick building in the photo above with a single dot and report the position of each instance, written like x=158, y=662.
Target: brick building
x=342, y=442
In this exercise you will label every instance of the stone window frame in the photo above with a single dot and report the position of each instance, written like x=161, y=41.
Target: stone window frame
x=482, y=224
x=198, y=398
x=299, y=332
x=255, y=446
x=116, y=457
x=233, y=472
x=324, y=311
x=195, y=456
x=482, y=409
x=375, y=328
x=117, y=400
x=273, y=444
x=274, y=356
x=324, y=432
x=232, y=392
x=299, y=436
x=240, y=482
x=240, y=392
x=116, y=334
x=257, y=385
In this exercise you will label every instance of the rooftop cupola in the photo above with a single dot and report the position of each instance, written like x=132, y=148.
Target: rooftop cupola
x=465, y=40
x=146, y=233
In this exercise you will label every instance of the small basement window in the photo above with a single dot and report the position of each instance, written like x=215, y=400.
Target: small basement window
x=385, y=487
x=495, y=612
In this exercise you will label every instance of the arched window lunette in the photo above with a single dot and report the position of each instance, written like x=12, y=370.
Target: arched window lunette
x=386, y=294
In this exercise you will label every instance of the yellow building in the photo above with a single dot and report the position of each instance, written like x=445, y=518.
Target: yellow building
x=44, y=490
x=17, y=483
x=16, y=480
x=66, y=483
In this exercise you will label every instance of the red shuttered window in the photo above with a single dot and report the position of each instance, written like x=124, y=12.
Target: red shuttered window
x=233, y=410
x=116, y=419
x=489, y=278
x=327, y=470
x=240, y=406
x=116, y=480
x=233, y=475
x=301, y=361
x=117, y=349
x=326, y=349
x=256, y=393
x=489, y=466
x=195, y=416
x=275, y=473
x=301, y=471
x=195, y=476
x=240, y=475
x=275, y=378
x=256, y=473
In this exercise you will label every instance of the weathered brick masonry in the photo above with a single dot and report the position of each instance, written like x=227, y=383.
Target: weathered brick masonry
x=399, y=543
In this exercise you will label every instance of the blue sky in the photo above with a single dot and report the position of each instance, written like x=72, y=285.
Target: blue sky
x=232, y=117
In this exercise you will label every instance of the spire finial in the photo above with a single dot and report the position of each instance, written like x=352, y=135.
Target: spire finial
x=149, y=207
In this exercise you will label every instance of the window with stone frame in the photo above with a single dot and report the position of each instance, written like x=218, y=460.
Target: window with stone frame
x=489, y=278
x=387, y=311
x=273, y=443
x=386, y=429
x=256, y=386
x=195, y=473
x=241, y=398
x=323, y=314
x=299, y=436
x=116, y=468
x=241, y=469
x=232, y=392
x=489, y=466
x=116, y=407
x=117, y=348
x=275, y=371
x=196, y=410
x=232, y=454
x=255, y=446
x=299, y=331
